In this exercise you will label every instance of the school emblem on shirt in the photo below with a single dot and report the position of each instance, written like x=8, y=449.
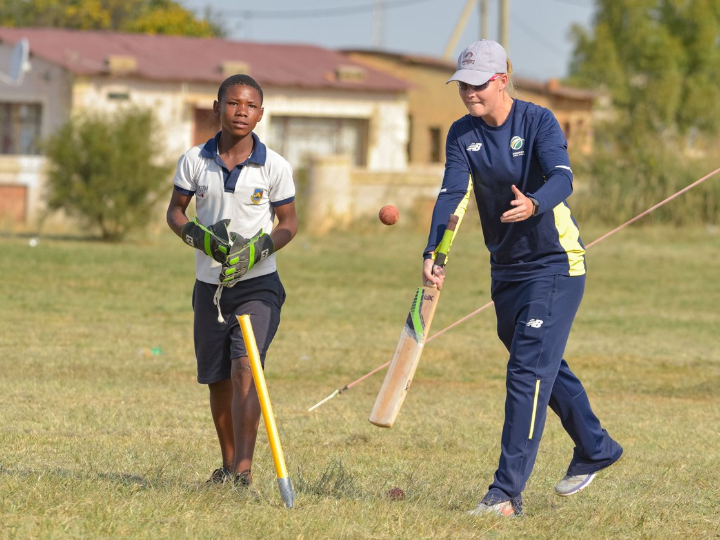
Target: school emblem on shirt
x=201, y=190
x=516, y=144
x=256, y=196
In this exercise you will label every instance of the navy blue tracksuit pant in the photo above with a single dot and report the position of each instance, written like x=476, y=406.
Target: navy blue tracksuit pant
x=534, y=318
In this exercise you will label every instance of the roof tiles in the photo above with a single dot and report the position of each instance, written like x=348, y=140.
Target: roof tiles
x=173, y=58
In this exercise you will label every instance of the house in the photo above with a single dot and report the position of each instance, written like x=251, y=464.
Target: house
x=433, y=106
x=318, y=102
x=360, y=128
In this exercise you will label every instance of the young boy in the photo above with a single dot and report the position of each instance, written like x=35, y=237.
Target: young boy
x=241, y=186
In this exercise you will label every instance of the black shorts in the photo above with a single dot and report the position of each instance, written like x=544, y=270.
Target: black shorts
x=216, y=344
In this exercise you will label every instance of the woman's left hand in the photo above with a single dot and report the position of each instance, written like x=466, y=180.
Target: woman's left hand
x=522, y=208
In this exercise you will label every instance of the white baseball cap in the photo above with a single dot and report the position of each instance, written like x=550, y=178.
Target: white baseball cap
x=480, y=61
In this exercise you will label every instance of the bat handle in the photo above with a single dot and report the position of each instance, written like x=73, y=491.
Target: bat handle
x=437, y=269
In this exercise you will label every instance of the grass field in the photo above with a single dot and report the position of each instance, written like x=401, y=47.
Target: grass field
x=102, y=438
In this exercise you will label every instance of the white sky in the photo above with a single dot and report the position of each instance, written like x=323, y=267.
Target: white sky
x=539, y=44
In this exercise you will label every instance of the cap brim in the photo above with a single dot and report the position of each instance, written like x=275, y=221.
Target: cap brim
x=468, y=76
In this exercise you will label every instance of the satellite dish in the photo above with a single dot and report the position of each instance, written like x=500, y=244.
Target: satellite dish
x=19, y=63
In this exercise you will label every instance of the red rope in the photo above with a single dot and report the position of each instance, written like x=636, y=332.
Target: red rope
x=597, y=241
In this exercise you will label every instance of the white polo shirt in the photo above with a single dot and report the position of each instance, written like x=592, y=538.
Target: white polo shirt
x=247, y=196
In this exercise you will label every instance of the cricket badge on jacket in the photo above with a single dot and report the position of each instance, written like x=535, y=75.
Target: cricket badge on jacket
x=516, y=144
x=256, y=197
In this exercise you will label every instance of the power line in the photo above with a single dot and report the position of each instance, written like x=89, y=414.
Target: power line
x=577, y=3
x=315, y=13
x=530, y=31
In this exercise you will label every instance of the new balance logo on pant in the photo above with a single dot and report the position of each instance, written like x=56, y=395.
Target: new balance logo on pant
x=535, y=323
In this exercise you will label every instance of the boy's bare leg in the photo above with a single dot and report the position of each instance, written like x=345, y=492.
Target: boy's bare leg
x=245, y=414
x=221, y=397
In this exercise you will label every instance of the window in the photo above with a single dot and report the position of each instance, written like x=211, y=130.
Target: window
x=20, y=128
x=435, y=145
x=297, y=138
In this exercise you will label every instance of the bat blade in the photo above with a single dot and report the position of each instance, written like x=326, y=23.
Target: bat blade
x=406, y=358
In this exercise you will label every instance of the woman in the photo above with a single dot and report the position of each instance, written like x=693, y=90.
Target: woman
x=514, y=155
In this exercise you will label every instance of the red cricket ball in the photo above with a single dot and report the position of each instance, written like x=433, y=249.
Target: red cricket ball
x=389, y=214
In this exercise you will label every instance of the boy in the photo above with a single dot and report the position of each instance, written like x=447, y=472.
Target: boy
x=241, y=187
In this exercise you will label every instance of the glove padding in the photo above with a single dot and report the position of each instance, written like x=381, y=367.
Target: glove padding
x=244, y=254
x=214, y=240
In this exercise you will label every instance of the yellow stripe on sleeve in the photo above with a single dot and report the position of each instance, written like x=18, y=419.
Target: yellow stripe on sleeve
x=569, y=237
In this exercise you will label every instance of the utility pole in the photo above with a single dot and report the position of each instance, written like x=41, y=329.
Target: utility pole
x=459, y=27
x=377, y=24
x=504, y=22
x=484, y=19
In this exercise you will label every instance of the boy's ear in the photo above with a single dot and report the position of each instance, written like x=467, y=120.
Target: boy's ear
x=216, y=108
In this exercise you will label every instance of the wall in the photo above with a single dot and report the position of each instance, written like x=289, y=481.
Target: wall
x=172, y=103
x=48, y=85
x=575, y=116
x=62, y=95
x=431, y=102
x=386, y=112
x=338, y=194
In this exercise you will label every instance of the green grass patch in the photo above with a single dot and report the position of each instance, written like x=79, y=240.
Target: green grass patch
x=104, y=438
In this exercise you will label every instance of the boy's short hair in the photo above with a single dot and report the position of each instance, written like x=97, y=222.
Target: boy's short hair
x=235, y=80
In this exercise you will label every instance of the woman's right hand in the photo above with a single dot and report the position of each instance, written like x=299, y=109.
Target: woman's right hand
x=433, y=275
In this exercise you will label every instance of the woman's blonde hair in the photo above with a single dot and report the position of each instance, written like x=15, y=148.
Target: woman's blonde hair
x=510, y=88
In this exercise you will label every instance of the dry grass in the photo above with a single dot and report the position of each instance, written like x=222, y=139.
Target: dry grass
x=102, y=439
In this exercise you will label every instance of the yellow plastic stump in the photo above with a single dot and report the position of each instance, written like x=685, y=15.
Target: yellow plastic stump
x=284, y=483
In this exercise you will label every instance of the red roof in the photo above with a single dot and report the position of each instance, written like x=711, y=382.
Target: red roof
x=173, y=58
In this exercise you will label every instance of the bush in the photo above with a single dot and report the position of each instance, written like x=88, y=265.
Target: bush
x=105, y=171
x=615, y=186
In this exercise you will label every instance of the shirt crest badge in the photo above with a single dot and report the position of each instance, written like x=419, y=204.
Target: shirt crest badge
x=256, y=197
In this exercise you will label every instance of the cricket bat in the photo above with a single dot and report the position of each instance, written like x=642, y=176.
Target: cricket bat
x=412, y=340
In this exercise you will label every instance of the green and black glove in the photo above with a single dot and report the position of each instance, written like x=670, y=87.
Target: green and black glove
x=244, y=254
x=214, y=240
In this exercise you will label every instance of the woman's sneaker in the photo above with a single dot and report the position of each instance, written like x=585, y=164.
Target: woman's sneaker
x=571, y=484
x=504, y=509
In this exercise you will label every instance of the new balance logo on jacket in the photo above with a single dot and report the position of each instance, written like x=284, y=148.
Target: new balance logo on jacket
x=474, y=147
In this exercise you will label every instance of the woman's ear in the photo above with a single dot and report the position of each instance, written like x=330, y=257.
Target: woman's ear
x=503, y=81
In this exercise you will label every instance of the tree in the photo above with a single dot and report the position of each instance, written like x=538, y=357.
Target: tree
x=659, y=63
x=135, y=16
x=105, y=171
x=658, y=59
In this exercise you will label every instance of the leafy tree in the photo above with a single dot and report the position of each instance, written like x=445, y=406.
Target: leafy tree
x=136, y=16
x=658, y=59
x=104, y=170
x=659, y=63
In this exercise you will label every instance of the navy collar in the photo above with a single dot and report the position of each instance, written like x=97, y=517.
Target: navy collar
x=258, y=155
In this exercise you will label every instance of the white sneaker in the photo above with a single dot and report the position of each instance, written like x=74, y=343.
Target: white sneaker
x=572, y=484
x=504, y=509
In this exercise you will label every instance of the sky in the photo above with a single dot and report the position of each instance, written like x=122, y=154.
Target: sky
x=539, y=43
